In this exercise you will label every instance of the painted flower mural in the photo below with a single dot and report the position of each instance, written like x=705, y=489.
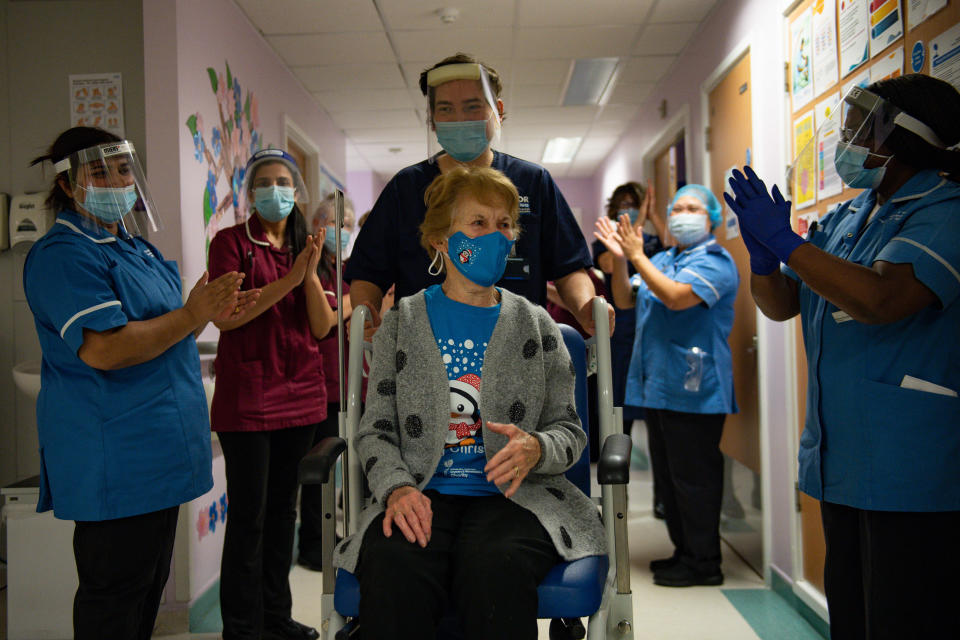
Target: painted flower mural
x=232, y=141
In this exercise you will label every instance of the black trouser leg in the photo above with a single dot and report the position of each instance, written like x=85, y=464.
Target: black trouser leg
x=891, y=574
x=502, y=555
x=662, y=484
x=287, y=448
x=486, y=555
x=122, y=567
x=404, y=589
x=311, y=507
x=261, y=469
x=691, y=442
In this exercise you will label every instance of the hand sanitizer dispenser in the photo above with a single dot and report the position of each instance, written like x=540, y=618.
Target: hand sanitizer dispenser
x=29, y=218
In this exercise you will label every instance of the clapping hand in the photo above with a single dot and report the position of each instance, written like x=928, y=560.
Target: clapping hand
x=764, y=218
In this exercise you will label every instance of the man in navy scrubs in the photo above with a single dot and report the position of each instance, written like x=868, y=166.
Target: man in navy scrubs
x=465, y=113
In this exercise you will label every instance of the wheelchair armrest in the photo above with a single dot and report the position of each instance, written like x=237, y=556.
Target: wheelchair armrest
x=315, y=467
x=614, y=464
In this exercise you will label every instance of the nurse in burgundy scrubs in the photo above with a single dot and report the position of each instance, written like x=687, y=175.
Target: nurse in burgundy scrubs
x=270, y=395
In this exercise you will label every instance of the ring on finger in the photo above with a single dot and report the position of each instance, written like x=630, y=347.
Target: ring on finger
x=516, y=471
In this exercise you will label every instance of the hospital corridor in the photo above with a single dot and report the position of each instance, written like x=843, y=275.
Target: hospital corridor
x=479, y=319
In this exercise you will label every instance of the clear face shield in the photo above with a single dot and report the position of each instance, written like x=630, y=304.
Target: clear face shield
x=109, y=187
x=856, y=130
x=464, y=118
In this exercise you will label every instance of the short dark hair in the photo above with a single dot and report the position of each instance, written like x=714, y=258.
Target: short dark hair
x=459, y=58
x=936, y=104
x=68, y=142
x=634, y=189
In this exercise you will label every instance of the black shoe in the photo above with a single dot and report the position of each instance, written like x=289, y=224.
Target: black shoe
x=683, y=575
x=659, y=511
x=290, y=629
x=309, y=562
x=664, y=563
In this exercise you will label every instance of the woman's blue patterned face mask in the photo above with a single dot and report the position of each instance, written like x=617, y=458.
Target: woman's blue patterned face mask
x=481, y=260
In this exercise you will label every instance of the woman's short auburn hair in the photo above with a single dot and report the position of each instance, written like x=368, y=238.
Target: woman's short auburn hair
x=442, y=197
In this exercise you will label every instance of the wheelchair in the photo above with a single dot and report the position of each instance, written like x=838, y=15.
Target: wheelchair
x=594, y=587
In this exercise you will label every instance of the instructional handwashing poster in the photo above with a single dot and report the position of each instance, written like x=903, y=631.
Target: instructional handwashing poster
x=96, y=100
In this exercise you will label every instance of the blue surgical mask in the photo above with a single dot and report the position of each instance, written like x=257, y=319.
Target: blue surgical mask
x=688, y=228
x=482, y=260
x=633, y=212
x=108, y=204
x=274, y=203
x=330, y=241
x=463, y=141
x=849, y=159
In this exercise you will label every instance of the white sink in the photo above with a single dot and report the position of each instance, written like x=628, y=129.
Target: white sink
x=26, y=376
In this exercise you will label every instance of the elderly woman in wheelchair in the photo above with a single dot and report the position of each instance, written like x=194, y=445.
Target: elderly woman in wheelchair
x=469, y=426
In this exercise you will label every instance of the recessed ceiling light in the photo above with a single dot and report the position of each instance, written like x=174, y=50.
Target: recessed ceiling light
x=589, y=80
x=560, y=150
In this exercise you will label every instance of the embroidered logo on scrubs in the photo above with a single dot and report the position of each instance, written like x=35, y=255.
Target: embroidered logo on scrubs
x=149, y=253
x=524, y=205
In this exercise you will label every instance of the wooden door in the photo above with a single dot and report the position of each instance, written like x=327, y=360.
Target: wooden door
x=729, y=142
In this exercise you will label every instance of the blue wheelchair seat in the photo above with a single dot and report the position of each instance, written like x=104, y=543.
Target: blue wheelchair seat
x=570, y=590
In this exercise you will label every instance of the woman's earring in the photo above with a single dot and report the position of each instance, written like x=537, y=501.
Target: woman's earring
x=436, y=262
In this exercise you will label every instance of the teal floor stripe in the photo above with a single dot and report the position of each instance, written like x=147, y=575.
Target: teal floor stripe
x=770, y=616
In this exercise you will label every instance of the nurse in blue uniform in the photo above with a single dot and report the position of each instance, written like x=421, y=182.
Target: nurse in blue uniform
x=876, y=286
x=681, y=372
x=122, y=416
x=465, y=113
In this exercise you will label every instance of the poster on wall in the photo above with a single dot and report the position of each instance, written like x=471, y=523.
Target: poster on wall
x=853, y=34
x=945, y=56
x=801, y=59
x=804, y=168
x=828, y=181
x=886, y=25
x=889, y=65
x=731, y=223
x=825, y=71
x=96, y=100
x=805, y=220
x=859, y=80
x=920, y=10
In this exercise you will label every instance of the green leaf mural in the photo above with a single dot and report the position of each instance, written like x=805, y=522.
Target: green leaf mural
x=213, y=78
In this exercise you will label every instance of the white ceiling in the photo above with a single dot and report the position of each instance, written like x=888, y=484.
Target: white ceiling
x=362, y=60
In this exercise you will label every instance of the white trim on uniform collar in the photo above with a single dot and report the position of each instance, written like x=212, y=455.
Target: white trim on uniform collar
x=246, y=225
x=942, y=182
x=74, y=227
x=699, y=247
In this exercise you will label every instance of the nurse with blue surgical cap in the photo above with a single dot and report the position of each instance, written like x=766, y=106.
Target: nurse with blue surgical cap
x=681, y=372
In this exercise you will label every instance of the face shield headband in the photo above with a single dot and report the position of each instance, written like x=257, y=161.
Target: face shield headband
x=464, y=118
x=851, y=136
x=109, y=186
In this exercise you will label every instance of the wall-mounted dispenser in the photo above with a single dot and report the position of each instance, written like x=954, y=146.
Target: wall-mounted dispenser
x=4, y=221
x=29, y=218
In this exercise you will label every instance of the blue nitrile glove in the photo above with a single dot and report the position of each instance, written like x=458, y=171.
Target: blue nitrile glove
x=765, y=218
x=763, y=262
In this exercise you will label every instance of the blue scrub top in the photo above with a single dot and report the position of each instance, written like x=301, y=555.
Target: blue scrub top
x=868, y=441
x=112, y=443
x=681, y=359
x=387, y=250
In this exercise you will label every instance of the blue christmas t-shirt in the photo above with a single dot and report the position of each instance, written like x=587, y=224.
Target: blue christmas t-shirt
x=462, y=332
